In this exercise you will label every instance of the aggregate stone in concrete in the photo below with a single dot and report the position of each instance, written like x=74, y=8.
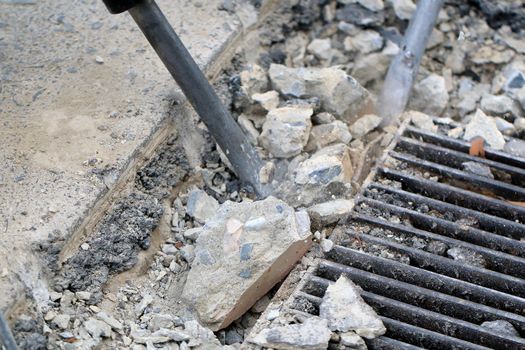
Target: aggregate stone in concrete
x=82, y=96
x=241, y=253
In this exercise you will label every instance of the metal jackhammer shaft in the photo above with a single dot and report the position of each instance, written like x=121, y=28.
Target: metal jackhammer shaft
x=403, y=70
x=189, y=77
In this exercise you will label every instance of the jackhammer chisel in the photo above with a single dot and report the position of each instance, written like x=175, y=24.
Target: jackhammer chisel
x=226, y=132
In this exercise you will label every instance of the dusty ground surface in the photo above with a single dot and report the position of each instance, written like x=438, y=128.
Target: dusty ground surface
x=83, y=97
x=127, y=273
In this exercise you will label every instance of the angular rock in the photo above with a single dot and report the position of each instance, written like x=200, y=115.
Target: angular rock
x=467, y=257
x=254, y=80
x=329, y=212
x=477, y=169
x=364, y=125
x=359, y=15
x=482, y=125
x=345, y=310
x=61, y=321
x=201, y=206
x=504, y=126
x=371, y=68
x=286, y=131
x=321, y=48
x=248, y=247
x=421, y=120
x=327, y=165
x=325, y=134
x=515, y=147
x=500, y=105
x=340, y=94
x=323, y=118
x=404, y=9
x=173, y=334
x=313, y=334
x=249, y=130
x=501, y=327
x=268, y=100
x=112, y=322
x=430, y=95
x=365, y=42
x=97, y=328
x=372, y=5
x=353, y=341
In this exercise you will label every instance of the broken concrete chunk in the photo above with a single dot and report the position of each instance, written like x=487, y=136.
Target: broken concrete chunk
x=371, y=68
x=372, y=5
x=321, y=48
x=353, y=341
x=313, y=334
x=501, y=327
x=249, y=130
x=430, y=95
x=478, y=169
x=247, y=247
x=504, y=126
x=482, y=125
x=500, y=105
x=404, y=9
x=327, y=165
x=364, y=125
x=421, y=120
x=323, y=118
x=359, y=15
x=268, y=100
x=286, y=131
x=339, y=93
x=329, y=212
x=364, y=42
x=254, y=80
x=515, y=147
x=325, y=134
x=345, y=310
x=201, y=206
x=467, y=256
x=112, y=322
x=97, y=328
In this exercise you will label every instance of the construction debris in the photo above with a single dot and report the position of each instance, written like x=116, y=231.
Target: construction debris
x=248, y=247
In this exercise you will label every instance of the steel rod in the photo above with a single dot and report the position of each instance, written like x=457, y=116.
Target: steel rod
x=179, y=62
x=403, y=69
x=6, y=337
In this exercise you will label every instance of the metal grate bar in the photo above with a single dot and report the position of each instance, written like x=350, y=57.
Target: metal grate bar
x=423, y=318
x=418, y=296
x=426, y=338
x=455, y=159
x=456, y=195
x=499, y=260
x=510, y=192
x=449, y=267
x=384, y=343
x=487, y=222
x=464, y=146
x=427, y=279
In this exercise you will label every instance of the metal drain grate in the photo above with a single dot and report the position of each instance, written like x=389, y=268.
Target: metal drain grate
x=418, y=211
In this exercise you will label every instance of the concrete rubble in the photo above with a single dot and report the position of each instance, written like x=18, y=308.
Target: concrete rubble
x=241, y=253
x=313, y=334
x=356, y=316
x=188, y=260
